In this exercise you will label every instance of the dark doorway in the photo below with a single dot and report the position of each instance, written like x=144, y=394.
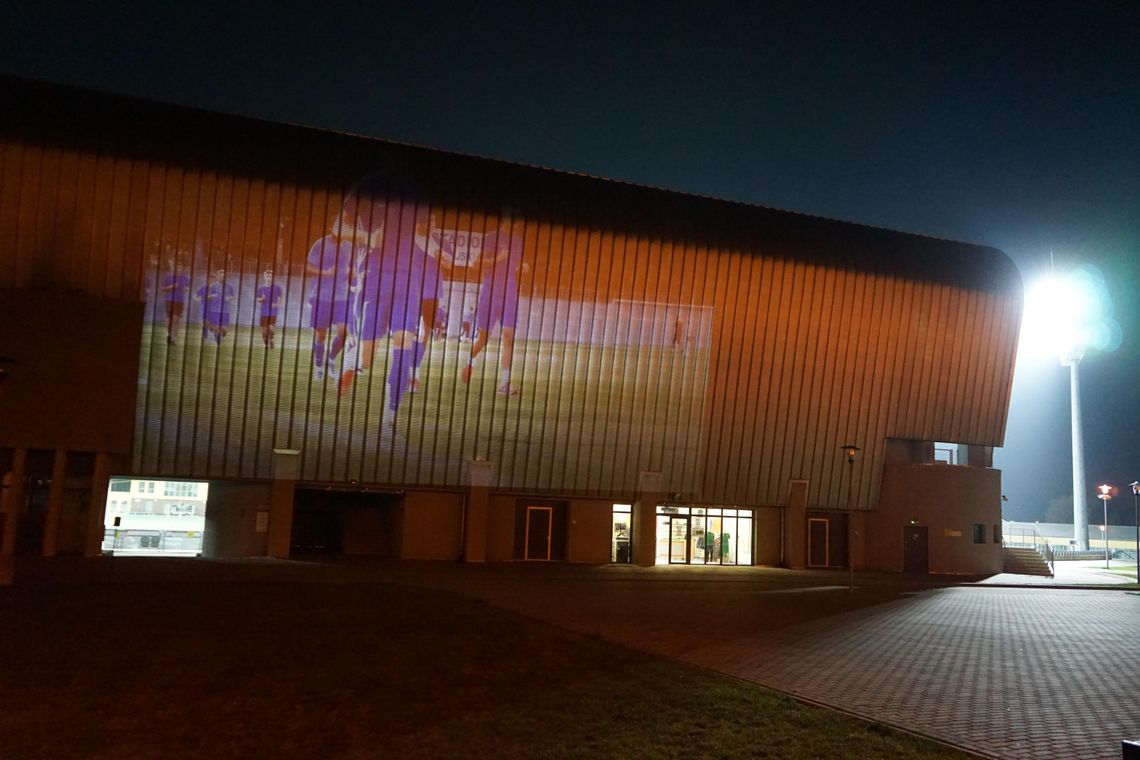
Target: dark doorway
x=916, y=557
x=332, y=522
x=817, y=542
x=37, y=488
x=538, y=524
x=827, y=539
x=540, y=530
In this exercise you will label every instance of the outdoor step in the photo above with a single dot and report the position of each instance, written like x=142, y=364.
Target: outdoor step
x=1021, y=561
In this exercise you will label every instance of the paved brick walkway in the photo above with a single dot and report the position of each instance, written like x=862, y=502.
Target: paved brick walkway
x=1010, y=673
x=1004, y=672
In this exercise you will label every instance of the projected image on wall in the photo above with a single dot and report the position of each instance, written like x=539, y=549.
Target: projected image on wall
x=392, y=337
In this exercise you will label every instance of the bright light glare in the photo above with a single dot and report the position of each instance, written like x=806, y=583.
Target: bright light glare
x=1065, y=315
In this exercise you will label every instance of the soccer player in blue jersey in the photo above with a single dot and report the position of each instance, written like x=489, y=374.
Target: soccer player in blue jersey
x=175, y=288
x=498, y=302
x=330, y=262
x=268, y=300
x=216, y=297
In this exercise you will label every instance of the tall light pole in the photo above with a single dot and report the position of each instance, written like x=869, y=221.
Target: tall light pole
x=1105, y=495
x=850, y=450
x=1136, y=521
x=1072, y=360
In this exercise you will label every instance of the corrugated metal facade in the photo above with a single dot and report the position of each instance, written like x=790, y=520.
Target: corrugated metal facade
x=730, y=348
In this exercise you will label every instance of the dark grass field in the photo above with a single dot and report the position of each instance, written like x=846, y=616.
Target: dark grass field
x=289, y=667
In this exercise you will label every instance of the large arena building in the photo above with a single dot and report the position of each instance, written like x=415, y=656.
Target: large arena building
x=367, y=348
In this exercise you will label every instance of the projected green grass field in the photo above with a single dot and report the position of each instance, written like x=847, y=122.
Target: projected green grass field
x=586, y=418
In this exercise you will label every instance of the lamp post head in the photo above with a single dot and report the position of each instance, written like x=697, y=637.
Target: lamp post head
x=1135, y=486
x=1105, y=491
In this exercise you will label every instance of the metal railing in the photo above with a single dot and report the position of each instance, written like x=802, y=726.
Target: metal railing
x=1031, y=539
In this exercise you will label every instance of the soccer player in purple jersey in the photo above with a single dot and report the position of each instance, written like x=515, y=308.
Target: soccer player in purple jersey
x=498, y=297
x=391, y=284
x=175, y=288
x=431, y=290
x=268, y=300
x=330, y=262
x=216, y=297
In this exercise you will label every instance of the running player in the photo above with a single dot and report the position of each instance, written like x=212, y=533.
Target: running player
x=330, y=261
x=431, y=293
x=268, y=300
x=216, y=297
x=175, y=288
x=465, y=325
x=498, y=298
x=391, y=282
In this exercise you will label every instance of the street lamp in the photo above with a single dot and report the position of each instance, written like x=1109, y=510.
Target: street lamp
x=1105, y=494
x=850, y=450
x=1136, y=521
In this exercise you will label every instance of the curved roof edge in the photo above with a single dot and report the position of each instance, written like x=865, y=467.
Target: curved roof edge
x=902, y=252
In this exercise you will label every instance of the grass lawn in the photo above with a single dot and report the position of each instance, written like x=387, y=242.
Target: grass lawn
x=366, y=669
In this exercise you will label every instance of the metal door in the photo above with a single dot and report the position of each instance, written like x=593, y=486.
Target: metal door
x=916, y=557
x=818, y=542
x=678, y=540
x=538, y=524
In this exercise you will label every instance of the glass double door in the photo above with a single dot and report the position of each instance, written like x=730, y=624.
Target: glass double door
x=695, y=540
x=710, y=541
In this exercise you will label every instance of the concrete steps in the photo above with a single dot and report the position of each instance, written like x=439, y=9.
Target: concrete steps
x=1024, y=562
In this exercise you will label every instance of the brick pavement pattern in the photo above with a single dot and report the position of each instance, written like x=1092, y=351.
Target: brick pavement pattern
x=1008, y=673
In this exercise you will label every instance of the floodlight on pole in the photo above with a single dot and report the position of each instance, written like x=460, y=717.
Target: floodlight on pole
x=1062, y=315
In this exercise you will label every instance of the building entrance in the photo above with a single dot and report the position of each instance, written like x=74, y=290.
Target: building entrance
x=332, y=522
x=827, y=539
x=916, y=544
x=155, y=518
x=539, y=521
x=703, y=535
x=621, y=540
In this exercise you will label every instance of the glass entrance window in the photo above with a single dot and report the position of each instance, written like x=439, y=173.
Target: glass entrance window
x=622, y=534
x=704, y=535
x=679, y=536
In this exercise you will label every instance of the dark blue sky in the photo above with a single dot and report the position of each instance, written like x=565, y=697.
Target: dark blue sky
x=1013, y=124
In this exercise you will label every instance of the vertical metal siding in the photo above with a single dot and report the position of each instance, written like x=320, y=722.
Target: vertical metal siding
x=800, y=356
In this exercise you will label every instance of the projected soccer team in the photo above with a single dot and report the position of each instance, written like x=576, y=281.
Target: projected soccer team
x=379, y=274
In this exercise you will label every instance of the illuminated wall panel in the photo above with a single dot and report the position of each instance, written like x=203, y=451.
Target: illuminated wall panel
x=730, y=348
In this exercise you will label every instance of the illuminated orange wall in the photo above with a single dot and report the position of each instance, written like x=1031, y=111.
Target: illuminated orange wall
x=730, y=348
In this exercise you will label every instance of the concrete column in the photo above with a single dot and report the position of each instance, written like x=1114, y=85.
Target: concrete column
x=1080, y=495
x=645, y=518
x=55, y=503
x=13, y=500
x=481, y=475
x=286, y=469
x=795, y=526
x=97, y=506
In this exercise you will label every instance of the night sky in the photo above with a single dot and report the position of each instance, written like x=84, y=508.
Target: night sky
x=1012, y=124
